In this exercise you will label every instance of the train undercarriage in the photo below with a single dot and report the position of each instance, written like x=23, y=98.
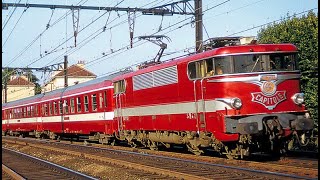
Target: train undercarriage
x=273, y=139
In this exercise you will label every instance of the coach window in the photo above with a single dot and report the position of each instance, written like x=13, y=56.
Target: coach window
x=36, y=110
x=94, y=102
x=10, y=114
x=66, y=106
x=72, y=105
x=101, y=102
x=45, y=109
x=105, y=98
x=119, y=87
x=60, y=107
x=20, y=113
x=50, y=108
x=32, y=110
x=78, y=104
x=28, y=111
x=86, y=103
x=24, y=112
x=55, y=108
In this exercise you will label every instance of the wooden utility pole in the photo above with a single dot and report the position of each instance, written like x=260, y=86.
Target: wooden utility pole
x=65, y=67
x=198, y=19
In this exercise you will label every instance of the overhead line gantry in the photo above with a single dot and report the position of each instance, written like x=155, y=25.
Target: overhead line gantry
x=182, y=7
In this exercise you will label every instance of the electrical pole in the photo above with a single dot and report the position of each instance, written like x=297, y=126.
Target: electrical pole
x=49, y=68
x=5, y=91
x=65, y=67
x=198, y=19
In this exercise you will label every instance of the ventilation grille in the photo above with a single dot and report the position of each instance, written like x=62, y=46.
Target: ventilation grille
x=157, y=78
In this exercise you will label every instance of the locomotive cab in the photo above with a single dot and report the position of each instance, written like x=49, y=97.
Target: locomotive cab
x=258, y=91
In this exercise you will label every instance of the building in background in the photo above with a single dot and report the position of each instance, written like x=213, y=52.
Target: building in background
x=76, y=74
x=18, y=87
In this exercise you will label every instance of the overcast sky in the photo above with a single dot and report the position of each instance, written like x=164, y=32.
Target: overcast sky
x=21, y=47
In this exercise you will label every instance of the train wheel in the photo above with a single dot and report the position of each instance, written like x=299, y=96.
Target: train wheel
x=4, y=133
x=195, y=150
x=232, y=153
x=152, y=145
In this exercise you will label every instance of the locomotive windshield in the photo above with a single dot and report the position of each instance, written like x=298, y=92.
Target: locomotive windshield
x=242, y=64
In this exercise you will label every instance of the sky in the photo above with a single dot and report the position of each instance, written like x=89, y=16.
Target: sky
x=26, y=41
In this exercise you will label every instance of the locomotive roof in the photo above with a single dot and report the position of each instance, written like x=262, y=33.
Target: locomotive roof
x=88, y=85
x=221, y=51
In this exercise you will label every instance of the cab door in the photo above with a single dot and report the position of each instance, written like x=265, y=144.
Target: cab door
x=119, y=96
x=199, y=82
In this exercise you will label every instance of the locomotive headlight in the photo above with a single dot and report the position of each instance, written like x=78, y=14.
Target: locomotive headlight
x=298, y=98
x=236, y=103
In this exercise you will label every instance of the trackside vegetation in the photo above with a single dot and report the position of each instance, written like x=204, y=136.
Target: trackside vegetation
x=302, y=32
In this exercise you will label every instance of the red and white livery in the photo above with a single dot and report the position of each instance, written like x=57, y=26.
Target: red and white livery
x=235, y=100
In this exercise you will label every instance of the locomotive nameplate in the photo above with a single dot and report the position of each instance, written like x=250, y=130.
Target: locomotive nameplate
x=269, y=96
x=269, y=102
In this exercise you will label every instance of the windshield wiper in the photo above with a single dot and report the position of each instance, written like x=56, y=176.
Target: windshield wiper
x=255, y=64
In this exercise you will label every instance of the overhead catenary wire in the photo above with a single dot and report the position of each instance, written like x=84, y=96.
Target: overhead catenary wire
x=37, y=37
x=33, y=41
x=14, y=27
x=63, y=17
x=6, y=22
x=246, y=30
x=126, y=47
x=95, y=61
x=104, y=28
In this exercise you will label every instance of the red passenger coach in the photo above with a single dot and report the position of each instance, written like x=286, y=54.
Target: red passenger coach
x=235, y=100
x=86, y=108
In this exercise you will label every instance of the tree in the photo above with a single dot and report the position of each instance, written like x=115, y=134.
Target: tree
x=303, y=32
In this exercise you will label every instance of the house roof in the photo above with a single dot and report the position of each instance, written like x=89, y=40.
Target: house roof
x=19, y=81
x=76, y=70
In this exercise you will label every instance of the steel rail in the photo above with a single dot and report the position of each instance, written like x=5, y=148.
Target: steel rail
x=81, y=175
x=189, y=161
x=12, y=173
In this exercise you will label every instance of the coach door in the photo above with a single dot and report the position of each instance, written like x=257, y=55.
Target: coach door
x=199, y=69
x=119, y=95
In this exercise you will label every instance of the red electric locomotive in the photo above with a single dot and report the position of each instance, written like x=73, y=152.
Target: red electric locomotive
x=236, y=100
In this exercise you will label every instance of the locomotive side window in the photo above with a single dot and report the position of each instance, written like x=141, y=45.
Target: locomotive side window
x=201, y=69
x=119, y=87
x=78, y=104
x=86, y=103
x=72, y=105
x=94, y=102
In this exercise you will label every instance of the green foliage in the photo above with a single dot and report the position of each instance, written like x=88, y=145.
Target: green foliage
x=303, y=32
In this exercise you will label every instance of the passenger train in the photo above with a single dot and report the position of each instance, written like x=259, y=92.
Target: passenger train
x=235, y=100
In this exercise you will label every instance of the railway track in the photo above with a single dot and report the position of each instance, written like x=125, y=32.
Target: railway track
x=17, y=165
x=172, y=167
